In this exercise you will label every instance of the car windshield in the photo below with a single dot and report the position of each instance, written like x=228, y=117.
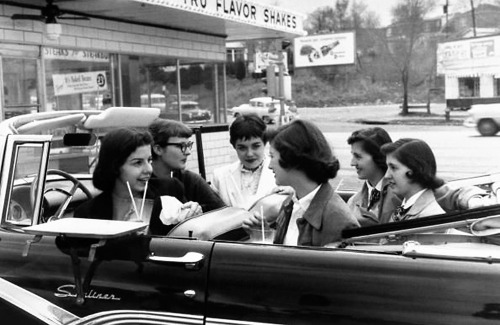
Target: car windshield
x=190, y=106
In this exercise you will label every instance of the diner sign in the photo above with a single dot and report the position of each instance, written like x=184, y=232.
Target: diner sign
x=239, y=10
x=77, y=83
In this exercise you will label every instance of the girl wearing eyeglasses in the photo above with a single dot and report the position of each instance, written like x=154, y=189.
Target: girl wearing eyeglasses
x=171, y=151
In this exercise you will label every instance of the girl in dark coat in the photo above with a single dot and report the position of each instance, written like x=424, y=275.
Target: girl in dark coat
x=123, y=174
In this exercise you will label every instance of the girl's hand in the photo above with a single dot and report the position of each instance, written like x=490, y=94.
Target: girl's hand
x=190, y=209
x=254, y=221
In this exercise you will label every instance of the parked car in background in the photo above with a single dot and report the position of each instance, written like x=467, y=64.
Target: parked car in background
x=153, y=100
x=267, y=108
x=190, y=111
x=484, y=117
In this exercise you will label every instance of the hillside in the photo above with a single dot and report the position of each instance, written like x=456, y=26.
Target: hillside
x=311, y=91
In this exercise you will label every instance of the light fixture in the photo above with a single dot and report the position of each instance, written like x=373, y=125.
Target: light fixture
x=53, y=30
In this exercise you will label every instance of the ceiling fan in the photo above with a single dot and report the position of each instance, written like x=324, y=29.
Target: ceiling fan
x=48, y=14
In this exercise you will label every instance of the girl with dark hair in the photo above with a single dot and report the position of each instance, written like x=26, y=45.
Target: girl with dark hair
x=314, y=215
x=412, y=176
x=373, y=203
x=243, y=182
x=123, y=174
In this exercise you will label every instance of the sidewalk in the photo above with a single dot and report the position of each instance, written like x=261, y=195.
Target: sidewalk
x=390, y=114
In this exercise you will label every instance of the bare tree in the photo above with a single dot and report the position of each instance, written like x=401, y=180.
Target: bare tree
x=320, y=21
x=405, y=39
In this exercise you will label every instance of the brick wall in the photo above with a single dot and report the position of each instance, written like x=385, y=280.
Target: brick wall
x=111, y=36
x=217, y=151
x=118, y=37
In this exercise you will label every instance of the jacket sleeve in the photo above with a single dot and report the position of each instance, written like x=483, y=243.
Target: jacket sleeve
x=455, y=199
x=198, y=190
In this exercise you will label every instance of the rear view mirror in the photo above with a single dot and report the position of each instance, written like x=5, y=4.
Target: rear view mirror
x=79, y=139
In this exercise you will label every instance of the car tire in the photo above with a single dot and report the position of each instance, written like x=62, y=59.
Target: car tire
x=237, y=115
x=487, y=127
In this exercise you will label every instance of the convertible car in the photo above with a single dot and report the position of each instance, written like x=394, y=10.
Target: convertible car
x=207, y=270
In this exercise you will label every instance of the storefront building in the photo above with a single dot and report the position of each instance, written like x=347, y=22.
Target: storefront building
x=471, y=68
x=93, y=54
x=126, y=52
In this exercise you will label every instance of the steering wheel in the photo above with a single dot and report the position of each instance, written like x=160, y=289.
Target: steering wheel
x=69, y=194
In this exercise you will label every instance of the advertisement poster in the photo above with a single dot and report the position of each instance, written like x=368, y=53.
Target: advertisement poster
x=76, y=83
x=263, y=59
x=321, y=50
x=468, y=56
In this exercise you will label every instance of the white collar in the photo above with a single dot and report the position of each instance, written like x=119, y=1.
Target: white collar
x=411, y=201
x=378, y=187
x=306, y=200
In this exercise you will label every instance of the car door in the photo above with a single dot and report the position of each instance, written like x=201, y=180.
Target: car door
x=138, y=272
x=300, y=285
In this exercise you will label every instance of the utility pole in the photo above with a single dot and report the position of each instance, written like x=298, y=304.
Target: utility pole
x=473, y=17
x=445, y=10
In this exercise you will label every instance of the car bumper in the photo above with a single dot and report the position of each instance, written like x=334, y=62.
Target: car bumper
x=470, y=122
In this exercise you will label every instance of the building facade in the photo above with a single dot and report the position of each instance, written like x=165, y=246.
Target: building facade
x=471, y=68
x=93, y=54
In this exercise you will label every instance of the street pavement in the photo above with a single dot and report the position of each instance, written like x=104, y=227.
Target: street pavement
x=338, y=122
x=346, y=117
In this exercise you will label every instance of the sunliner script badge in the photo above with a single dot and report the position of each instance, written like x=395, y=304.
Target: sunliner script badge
x=68, y=290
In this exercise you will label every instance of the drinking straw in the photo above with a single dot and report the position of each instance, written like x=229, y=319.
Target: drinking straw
x=262, y=223
x=132, y=197
x=144, y=199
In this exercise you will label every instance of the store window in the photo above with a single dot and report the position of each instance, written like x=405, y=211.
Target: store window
x=469, y=87
x=497, y=87
x=77, y=79
x=20, y=86
x=159, y=88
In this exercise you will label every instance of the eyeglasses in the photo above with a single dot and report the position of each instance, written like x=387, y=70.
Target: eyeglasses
x=182, y=145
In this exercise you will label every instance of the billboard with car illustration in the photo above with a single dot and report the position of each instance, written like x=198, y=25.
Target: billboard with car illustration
x=320, y=50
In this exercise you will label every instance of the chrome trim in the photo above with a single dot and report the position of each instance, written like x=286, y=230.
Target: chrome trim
x=219, y=321
x=34, y=305
x=191, y=260
x=138, y=317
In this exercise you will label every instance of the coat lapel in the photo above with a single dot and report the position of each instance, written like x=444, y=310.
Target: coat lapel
x=314, y=213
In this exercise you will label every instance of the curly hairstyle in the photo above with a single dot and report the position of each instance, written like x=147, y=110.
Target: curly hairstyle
x=303, y=146
x=162, y=130
x=245, y=127
x=371, y=139
x=418, y=157
x=116, y=147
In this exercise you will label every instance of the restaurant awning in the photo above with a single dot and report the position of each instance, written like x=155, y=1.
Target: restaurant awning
x=233, y=19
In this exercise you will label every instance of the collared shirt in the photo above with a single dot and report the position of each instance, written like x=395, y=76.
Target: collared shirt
x=408, y=203
x=250, y=180
x=299, y=208
x=374, y=206
x=377, y=187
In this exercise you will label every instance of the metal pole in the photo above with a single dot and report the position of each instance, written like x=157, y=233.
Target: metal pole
x=281, y=81
x=178, y=68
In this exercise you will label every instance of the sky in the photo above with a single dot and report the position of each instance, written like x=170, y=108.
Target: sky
x=381, y=7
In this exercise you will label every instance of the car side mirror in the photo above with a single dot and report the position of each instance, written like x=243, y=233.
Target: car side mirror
x=79, y=139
